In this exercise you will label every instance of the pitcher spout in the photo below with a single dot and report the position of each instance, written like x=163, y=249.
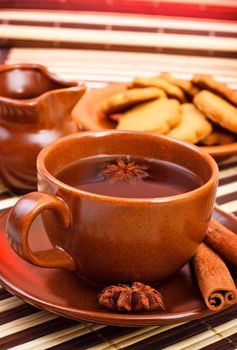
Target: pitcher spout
x=31, y=95
x=57, y=105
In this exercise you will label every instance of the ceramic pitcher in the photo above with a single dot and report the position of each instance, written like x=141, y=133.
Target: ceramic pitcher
x=35, y=109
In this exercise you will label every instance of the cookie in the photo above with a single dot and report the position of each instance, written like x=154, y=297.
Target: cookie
x=218, y=137
x=205, y=81
x=187, y=86
x=193, y=126
x=217, y=109
x=155, y=116
x=122, y=101
x=170, y=89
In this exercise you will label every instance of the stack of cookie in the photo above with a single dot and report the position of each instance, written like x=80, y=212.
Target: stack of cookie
x=200, y=111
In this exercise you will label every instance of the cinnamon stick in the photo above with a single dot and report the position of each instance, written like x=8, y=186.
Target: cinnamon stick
x=222, y=240
x=214, y=279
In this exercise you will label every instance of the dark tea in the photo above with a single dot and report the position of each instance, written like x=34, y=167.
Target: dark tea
x=131, y=178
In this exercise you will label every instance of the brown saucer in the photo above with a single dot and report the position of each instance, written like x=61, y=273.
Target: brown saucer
x=61, y=292
x=87, y=116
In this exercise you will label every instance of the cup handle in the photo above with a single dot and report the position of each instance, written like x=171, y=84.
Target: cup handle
x=19, y=222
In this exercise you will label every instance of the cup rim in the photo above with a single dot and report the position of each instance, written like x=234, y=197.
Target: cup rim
x=42, y=169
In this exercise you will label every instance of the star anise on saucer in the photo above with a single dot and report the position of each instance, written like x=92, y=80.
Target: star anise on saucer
x=135, y=298
x=120, y=171
x=117, y=297
x=145, y=297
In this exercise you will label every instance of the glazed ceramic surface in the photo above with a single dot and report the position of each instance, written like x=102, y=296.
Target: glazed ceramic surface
x=60, y=291
x=87, y=115
x=35, y=109
x=111, y=239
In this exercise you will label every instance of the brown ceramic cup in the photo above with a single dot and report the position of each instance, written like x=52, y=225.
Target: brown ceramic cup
x=111, y=239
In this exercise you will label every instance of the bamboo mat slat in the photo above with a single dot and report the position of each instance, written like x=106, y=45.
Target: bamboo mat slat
x=55, y=338
x=10, y=303
x=129, y=40
x=26, y=322
x=113, y=20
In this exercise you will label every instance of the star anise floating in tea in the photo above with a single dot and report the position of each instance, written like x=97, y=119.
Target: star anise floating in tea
x=120, y=171
x=135, y=298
